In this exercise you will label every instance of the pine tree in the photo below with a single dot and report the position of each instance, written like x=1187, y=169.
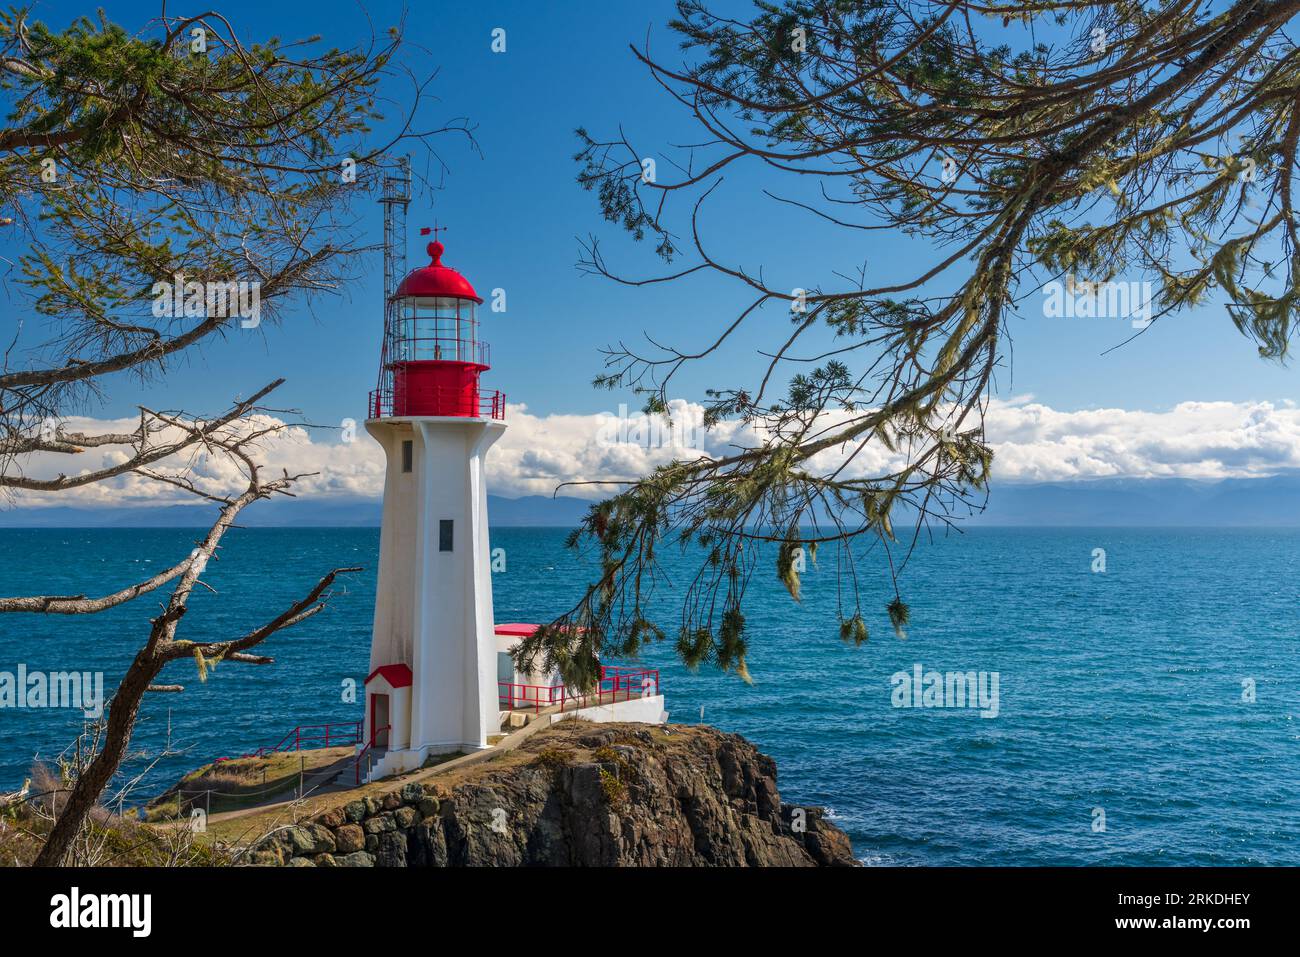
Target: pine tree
x=1023, y=143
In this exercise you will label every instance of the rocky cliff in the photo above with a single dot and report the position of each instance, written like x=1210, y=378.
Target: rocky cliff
x=578, y=794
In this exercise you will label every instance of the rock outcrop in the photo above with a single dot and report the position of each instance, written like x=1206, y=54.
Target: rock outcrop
x=578, y=794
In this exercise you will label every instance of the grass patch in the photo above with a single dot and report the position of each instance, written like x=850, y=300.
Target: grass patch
x=613, y=787
x=240, y=782
x=615, y=773
x=108, y=841
x=554, y=759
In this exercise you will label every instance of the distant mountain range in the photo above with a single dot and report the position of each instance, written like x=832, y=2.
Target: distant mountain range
x=1262, y=502
x=1266, y=502
x=534, y=510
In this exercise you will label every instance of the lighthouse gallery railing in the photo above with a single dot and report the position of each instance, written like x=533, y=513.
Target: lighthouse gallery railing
x=443, y=400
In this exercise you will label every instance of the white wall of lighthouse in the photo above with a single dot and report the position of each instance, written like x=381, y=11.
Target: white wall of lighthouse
x=434, y=602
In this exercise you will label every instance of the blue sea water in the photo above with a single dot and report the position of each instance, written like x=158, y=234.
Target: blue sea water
x=1120, y=691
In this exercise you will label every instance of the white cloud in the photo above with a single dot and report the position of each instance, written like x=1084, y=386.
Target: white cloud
x=1033, y=442
x=1199, y=440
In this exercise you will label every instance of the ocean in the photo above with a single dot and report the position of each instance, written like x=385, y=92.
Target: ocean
x=1145, y=715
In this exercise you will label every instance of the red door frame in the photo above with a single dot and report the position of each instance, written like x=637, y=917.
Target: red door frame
x=374, y=728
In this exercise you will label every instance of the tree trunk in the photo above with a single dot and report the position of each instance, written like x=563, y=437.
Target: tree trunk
x=91, y=782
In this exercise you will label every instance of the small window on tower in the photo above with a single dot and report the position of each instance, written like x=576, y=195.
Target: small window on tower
x=408, y=455
x=444, y=535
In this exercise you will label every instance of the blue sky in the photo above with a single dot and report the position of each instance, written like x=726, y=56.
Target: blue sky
x=516, y=214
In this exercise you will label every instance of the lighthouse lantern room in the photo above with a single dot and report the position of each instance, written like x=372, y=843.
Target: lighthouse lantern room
x=432, y=353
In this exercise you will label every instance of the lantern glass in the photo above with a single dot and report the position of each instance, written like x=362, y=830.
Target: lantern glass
x=437, y=328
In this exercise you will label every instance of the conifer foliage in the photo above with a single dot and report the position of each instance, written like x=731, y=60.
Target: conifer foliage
x=1020, y=143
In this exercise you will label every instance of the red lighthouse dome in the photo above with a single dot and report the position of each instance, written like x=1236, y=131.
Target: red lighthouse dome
x=432, y=354
x=436, y=279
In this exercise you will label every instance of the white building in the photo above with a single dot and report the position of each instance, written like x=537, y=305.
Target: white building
x=441, y=678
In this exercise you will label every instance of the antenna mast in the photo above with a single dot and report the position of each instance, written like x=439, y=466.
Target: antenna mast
x=396, y=197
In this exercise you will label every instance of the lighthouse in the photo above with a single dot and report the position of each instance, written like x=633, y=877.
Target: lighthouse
x=433, y=683
x=442, y=678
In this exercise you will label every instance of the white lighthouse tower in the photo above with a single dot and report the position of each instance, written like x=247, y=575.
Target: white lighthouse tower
x=433, y=683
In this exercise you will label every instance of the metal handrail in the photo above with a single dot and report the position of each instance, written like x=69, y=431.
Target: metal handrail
x=302, y=734
x=447, y=400
x=615, y=680
x=617, y=673
x=370, y=744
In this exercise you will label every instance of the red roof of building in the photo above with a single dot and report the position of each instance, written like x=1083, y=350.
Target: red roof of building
x=519, y=629
x=513, y=629
x=436, y=279
x=397, y=676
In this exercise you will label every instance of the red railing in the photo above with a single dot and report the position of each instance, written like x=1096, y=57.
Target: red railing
x=438, y=400
x=369, y=744
x=625, y=676
x=331, y=736
x=617, y=683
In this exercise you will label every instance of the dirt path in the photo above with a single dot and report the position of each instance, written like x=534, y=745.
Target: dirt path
x=315, y=795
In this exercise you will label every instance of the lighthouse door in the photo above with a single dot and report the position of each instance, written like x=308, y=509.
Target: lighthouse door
x=379, y=721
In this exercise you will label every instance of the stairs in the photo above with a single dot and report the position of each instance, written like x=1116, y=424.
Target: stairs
x=347, y=778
